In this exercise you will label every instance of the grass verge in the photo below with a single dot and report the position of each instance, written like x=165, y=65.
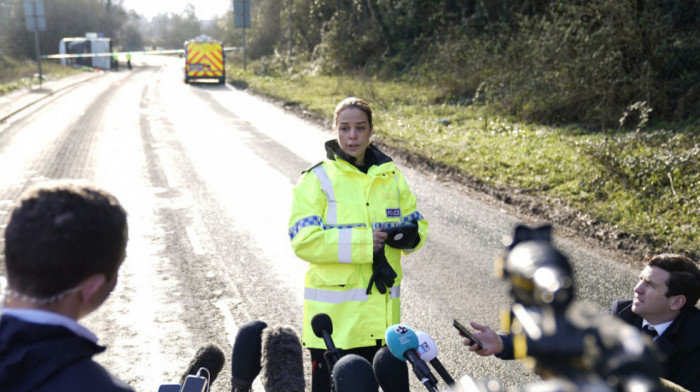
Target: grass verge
x=638, y=191
x=18, y=74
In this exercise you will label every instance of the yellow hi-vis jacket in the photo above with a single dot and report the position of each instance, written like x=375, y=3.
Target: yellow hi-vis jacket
x=335, y=207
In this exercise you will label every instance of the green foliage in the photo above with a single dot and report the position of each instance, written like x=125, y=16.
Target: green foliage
x=64, y=18
x=572, y=62
x=638, y=185
x=548, y=61
x=266, y=29
x=351, y=40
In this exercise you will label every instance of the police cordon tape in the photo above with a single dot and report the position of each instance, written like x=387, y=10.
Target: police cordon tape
x=109, y=54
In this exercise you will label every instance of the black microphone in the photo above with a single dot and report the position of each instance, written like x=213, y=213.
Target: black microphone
x=245, y=358
x=323, y=328
x=282, y=362
x=391, y=373
x=352, y=373
x=210, y=357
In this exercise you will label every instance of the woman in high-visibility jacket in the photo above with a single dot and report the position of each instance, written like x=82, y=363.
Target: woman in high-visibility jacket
x=341, y=210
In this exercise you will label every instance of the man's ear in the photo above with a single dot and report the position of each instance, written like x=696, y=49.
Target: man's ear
x=90, y=286
x=677, y=302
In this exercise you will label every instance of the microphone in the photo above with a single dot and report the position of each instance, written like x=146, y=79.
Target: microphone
x=352, y=373
x=323, y=328
x=403, y=343
x=428, y=351
x=282, y=363
x=245, y=358
x=391, y=373
x=209, y=357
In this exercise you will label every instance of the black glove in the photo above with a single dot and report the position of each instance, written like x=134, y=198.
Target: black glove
x=403, y=237
x=383, y=275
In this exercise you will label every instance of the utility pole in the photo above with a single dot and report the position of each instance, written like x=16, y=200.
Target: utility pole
x=289, y=22
x=35, y=21
x=241, y=18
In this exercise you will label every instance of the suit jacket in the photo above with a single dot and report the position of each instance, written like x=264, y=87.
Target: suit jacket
x=679, y=344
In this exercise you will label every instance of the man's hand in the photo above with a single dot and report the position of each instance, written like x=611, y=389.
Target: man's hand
x=489, y=339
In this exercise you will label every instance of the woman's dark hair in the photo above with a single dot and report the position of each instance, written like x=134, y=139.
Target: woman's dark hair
x=684, y=276
x=60, y=233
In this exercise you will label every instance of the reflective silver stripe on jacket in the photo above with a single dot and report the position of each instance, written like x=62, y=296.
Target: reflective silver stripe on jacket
x=395, y=292
x=338, y=297
x=327, y=188
x=345, y=245
x=345, y=233
x=335, y=297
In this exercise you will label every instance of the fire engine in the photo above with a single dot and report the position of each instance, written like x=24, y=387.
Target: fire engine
x=204, y=59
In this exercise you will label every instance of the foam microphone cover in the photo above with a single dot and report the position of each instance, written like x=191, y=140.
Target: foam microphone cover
x=427, y=349
x=245, y=358
x=400, y=338
x=352, y=373
x=391, y=373
x=322, y=322
x=209, y=356
x=282, y=363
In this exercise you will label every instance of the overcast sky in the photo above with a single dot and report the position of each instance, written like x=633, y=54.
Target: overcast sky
x=204, y=9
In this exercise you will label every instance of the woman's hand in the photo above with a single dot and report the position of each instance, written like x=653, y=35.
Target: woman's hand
x=379, y=237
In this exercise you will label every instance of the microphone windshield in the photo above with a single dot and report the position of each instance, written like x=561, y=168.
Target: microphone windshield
x=282, y=363
x=352, y=373
x=210, y=357
x=390, y=372
x=245, y=358
x=322, y=322
x=399, y=339
x=427, y=349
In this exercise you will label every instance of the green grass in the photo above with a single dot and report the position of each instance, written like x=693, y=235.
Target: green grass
x=638, y=189
x=18, y=74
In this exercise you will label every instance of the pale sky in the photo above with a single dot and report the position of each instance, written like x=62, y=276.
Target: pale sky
x=204, y=9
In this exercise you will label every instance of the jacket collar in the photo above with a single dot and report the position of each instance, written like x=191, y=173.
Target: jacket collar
x=373, y=156
x=664, y=341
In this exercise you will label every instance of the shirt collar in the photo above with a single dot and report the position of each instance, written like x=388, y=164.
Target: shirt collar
x=660, y=328
x=44, y=317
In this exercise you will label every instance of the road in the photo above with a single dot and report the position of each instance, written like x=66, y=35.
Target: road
x=205, y=172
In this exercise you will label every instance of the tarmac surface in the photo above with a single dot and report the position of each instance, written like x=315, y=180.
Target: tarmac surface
x=17, y=100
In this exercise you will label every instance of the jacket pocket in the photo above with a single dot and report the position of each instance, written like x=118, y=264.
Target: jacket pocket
x=321, y=275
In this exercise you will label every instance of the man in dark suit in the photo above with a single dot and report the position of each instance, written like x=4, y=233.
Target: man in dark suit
x=664, y=299
x=664, y=304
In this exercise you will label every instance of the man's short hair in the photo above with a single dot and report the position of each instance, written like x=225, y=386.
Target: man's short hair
x=60, y=233
x=684, y=278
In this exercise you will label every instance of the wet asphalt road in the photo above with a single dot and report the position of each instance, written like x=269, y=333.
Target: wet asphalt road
x=205, y=172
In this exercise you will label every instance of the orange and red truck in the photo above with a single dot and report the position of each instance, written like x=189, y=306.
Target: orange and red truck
x=204, y=59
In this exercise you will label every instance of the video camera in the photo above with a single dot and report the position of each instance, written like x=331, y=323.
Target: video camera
x=568, y=343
